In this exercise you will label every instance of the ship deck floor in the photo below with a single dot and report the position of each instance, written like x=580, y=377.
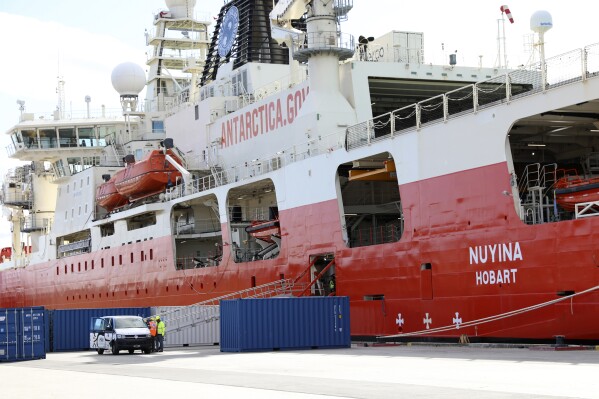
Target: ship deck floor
x=358, y=372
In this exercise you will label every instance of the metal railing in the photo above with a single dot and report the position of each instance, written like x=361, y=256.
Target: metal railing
x=458, y=102
x=567, y=68
x=209, y=310
x=248, y=170
x=387, y=233
x=340, y=44
x=34, y=222
x=200, y=226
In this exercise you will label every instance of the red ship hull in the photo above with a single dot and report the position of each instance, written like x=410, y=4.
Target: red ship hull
x=399, y=294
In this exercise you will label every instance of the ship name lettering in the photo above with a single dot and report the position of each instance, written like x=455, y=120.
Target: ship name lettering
x=490, y=277
x=263, y=119
x=495, y=253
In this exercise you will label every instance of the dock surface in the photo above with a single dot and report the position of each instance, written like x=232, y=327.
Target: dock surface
x=359, y=372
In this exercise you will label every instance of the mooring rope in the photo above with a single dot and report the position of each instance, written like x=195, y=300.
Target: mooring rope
x=490, y=318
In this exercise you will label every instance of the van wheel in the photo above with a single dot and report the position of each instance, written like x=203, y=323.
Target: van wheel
x=131, y=351
x=115, y=348
x=100, y=351
x=147, y=351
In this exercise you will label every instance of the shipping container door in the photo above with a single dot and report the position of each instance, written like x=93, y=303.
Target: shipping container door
x=8, y=334
x=33, y=330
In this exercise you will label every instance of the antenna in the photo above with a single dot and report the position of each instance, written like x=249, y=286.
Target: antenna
x=505, y=11
x=541, y=22
x=88, y=99
x=21, y=105
x=60, y=93
x=59, y=113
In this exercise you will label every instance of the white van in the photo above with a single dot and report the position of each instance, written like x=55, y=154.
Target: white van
x=117, y=333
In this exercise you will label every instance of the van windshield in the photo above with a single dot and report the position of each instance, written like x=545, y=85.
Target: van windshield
x=129, y=322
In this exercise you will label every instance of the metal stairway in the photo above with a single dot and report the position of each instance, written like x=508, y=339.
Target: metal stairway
x=118, y=153
x=209, y=310
x=535, y=188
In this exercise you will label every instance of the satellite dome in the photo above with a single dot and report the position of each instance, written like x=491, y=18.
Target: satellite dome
x=181, y=8
x=128, y=79
x=541, y=21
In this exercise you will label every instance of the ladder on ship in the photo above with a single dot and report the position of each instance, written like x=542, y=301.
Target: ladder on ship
x=535, y=187
x=118, y=152
x=208, y=311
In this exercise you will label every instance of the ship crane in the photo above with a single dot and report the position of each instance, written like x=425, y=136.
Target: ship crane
x=281, y=16
x=185, y=174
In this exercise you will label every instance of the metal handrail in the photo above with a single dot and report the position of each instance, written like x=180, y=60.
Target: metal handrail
x=560, y=70
x=208, y=310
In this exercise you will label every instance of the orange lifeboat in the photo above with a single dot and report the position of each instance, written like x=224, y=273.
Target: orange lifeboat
x=572, y=190
x=107, y=196
x=150, y=176
x=264, y=229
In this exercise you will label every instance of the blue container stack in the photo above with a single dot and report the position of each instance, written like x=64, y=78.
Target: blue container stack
x=22, y=334
x=284, y=323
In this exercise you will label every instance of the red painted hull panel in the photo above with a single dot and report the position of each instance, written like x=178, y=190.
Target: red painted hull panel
x=452, y=225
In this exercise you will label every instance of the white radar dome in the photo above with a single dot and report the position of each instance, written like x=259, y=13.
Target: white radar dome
x=128, y=79
x=181, y=8
x=541, y=21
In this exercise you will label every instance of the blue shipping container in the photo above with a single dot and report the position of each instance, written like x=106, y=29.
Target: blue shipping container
x=71, y=327
x=22, y=334
x=284, y=323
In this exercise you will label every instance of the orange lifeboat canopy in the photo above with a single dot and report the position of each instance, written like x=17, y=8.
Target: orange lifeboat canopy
x=107, y=195
x=150, y=176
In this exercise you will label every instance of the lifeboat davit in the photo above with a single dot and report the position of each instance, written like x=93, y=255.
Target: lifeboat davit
x=150, y=176
x=572, y=190
x=264, y=229
x=107, y=195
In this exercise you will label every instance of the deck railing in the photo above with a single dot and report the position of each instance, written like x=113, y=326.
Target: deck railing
x=567, y=68
x=573, y=66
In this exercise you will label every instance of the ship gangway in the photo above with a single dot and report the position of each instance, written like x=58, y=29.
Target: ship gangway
x=208, y=311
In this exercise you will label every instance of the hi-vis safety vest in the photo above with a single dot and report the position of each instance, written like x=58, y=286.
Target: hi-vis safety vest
x=153, y=328
x=161, y=328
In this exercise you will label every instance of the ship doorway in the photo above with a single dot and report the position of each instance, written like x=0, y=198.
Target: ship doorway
x=322, y=275
x=197, y=233
x=553, y=159
x=370, y=202
x=254, y=222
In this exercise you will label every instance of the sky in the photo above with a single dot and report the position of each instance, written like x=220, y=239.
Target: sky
x=83, y=40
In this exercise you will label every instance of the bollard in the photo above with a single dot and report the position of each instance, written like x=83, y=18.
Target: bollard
x=559, y=340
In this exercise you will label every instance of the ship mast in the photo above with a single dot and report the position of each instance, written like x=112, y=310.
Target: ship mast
x=59, y=114
x=322, y=47
x=180, y=44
